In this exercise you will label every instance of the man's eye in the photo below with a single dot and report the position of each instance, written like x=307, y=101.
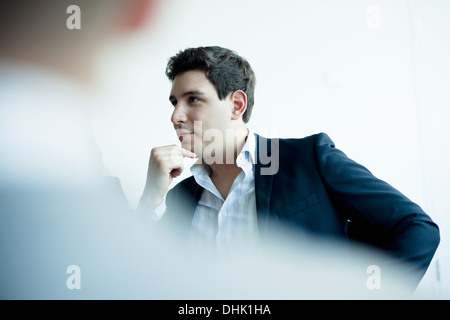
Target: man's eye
x=193, y=99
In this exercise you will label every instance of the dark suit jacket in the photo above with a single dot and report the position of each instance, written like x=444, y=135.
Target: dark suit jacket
x=317, y=188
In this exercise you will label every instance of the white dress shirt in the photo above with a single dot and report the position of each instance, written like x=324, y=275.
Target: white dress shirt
x=221, y=224
x=226, y=224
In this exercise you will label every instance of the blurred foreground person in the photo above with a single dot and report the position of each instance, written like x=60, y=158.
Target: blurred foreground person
x=66, y=230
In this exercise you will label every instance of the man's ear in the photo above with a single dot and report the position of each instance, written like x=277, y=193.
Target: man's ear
x=239, y=99
x=138, y=13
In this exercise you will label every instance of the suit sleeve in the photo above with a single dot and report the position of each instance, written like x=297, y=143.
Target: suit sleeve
x=377, y=211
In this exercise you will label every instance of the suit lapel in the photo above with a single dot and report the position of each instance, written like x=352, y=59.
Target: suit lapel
x=193, y=196
x=263, y=184
x=184, y=202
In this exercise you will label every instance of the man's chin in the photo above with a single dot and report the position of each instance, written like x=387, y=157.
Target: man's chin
x=187, y=145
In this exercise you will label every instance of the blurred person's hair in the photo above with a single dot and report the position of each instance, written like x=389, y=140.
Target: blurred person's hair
x=226, y=70
x=28, y=18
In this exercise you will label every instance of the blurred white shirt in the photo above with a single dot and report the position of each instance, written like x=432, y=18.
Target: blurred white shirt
x=45, y=134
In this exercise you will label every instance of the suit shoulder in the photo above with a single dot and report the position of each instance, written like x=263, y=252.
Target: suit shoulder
x=315, y=140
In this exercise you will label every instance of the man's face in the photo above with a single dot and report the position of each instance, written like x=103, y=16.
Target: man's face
x=198, y=113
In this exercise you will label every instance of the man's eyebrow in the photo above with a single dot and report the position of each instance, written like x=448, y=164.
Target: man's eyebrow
x=188, y=93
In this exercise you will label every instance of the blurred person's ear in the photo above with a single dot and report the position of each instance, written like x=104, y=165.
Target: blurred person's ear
x=138, y=13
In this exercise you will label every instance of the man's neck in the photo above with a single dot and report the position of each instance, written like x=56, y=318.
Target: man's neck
x=224, y=174
x=235, y=146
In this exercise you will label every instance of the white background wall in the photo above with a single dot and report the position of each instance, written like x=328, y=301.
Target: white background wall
x=374, y=75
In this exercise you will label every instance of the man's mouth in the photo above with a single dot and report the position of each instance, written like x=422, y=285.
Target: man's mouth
x=182, y=133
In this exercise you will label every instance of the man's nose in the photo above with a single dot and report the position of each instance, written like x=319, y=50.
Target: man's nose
x=178, y=115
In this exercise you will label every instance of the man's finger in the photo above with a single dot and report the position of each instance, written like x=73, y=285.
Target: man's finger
x=188, y=154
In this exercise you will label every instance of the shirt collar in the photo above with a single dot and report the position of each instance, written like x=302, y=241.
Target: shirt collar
x=245, y=159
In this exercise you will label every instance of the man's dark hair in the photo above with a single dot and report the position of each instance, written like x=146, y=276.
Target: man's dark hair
x=226, y=70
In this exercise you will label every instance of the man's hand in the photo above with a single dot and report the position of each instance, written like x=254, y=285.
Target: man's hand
x=165, y=164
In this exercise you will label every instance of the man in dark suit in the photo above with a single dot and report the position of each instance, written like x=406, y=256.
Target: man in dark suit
x=247, y=190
